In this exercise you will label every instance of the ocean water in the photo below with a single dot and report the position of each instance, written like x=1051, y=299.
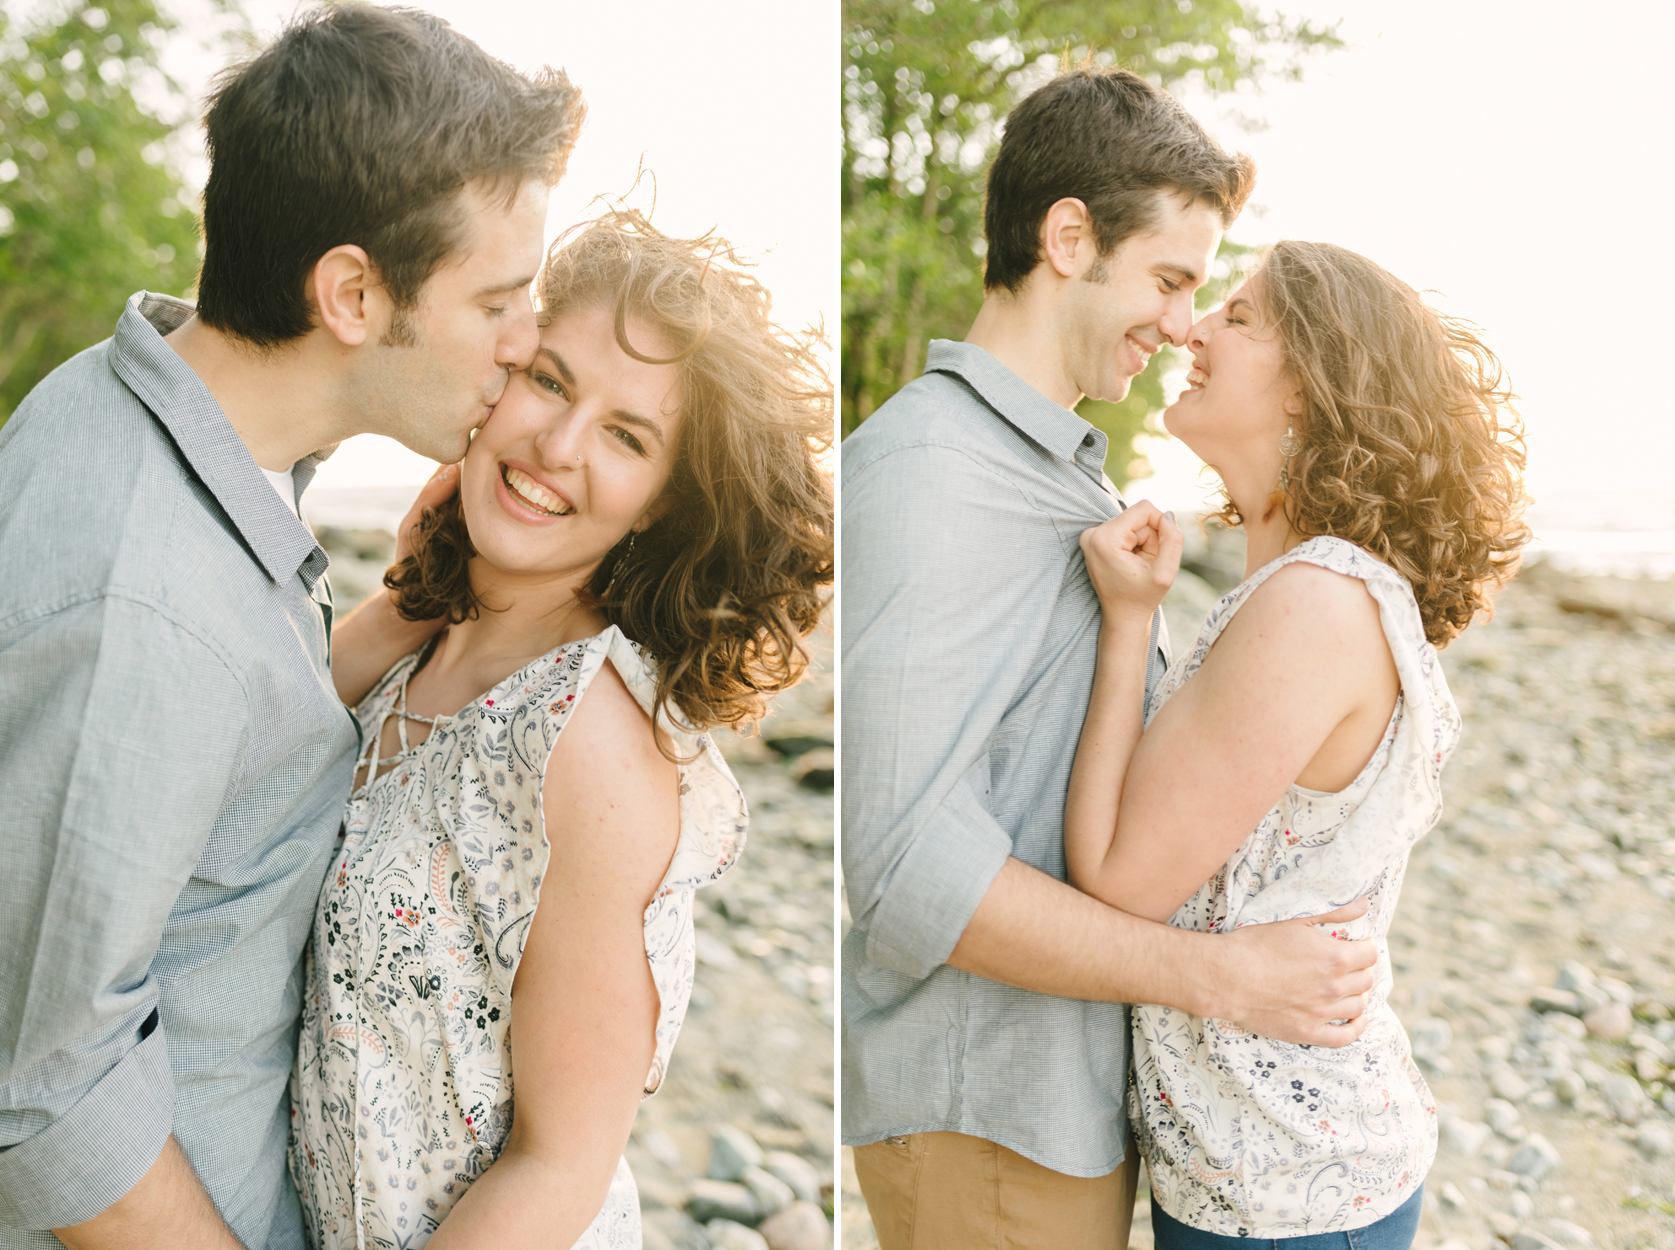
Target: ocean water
x=1622, y=532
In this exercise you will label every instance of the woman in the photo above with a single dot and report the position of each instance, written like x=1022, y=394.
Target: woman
x=633, y=554
x=1291, y=759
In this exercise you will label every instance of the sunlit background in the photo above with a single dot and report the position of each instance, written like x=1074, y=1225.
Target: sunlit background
x=727, y=106
x=1513, y=159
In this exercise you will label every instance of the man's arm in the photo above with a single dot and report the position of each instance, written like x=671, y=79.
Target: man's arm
x=119, y=737
x=946, y=568
x=1286, y=981
x=167, y=1208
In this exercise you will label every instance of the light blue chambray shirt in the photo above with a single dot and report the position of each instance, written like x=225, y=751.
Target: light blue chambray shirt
x=969, y=638
x=174, y=763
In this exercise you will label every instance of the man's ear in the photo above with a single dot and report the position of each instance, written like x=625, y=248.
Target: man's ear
x=1067, y=237
x=347, y=296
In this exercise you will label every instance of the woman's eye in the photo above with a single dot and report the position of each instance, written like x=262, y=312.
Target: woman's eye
x=549, y=383
x=629, y=441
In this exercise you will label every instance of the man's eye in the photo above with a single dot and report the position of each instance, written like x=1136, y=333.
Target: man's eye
x=1169, y=286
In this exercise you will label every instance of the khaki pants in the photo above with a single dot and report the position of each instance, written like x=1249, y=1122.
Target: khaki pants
x=950, y=1191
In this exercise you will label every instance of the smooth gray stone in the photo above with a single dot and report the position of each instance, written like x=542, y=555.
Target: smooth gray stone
x=731, y=1235
x=1655, y=1141
x=1430, y=1038
x=1565, y=1001
x=796, y=1172
x=1568, y=1086
x=1575, y=975
x=1464, y=1137
x=1535, y=1158
x=732, y=1150
x=801, y=1226
x=1567, y=1234
x=1503, y=1118
x=772, y=1194
x=726, y=1200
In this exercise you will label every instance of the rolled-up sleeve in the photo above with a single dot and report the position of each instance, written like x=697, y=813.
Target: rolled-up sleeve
x=120, y=732
x=940, y=554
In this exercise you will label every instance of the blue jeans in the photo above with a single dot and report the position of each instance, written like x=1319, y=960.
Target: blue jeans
x=1394, y=1232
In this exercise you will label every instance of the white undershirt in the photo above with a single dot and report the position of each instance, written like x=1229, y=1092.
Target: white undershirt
x=285, y=484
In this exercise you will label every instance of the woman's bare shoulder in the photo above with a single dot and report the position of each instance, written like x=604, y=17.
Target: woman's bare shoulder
x=1324, y=621
x=607, y=782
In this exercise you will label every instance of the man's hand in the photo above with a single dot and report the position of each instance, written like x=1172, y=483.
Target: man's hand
x=1290, y=980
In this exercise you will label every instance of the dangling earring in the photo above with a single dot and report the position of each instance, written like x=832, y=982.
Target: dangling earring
x=622, y=560
x=1290, y=445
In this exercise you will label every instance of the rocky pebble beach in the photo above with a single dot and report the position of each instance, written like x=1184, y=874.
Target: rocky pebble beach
x=1534, y=946
x=735, y=1151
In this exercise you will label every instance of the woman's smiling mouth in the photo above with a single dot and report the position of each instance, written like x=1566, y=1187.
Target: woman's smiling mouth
x=527, y=490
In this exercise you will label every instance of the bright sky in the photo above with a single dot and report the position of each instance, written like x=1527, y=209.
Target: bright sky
x=733, y=106
x=1514, y=157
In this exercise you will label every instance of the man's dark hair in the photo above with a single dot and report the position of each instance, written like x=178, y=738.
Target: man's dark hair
x=1109, y=138
x=361, y=125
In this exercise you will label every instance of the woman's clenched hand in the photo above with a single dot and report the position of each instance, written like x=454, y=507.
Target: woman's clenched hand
x=1132, y=559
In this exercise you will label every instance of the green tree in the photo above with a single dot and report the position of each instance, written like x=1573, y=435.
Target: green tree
x=927, y=84
x=90, y=208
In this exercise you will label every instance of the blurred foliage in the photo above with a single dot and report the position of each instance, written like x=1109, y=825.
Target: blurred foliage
x=927, y=84
x=90, y=209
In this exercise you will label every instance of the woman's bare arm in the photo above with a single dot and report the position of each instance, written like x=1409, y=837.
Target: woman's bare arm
x=1132, y=560
x=1304, y=659
x=584, y=1008
x=367, y=641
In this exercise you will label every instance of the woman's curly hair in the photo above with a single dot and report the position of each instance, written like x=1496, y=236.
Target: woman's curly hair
x=1410, y=446
x=724, y=585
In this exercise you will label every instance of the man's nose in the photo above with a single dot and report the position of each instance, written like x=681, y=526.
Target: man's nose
x=1176, y=323
x=519, y=335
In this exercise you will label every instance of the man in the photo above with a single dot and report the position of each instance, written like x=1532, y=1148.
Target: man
x=985, y=1050
x=172, y=753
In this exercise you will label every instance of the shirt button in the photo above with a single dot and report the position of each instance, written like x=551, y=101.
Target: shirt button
x=1087, y=439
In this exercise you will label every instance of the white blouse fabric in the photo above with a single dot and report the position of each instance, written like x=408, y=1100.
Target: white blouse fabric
x=1250, y=1137
x=402, y=1091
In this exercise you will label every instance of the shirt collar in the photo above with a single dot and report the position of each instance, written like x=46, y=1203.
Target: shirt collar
x=1056, y=428
x=177, y=397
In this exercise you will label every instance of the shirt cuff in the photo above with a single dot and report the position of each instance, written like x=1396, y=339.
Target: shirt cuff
x=936, y=886
x=96, y=1151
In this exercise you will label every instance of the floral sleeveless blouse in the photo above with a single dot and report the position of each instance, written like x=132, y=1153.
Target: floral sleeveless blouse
x=402, y=1091
x=1250, y=1137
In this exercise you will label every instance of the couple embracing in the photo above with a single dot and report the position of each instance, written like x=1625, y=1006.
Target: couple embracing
x=1045, y=818
x=483, y=801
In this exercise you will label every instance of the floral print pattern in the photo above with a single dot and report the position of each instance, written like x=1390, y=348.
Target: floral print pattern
x=402, y=1091
x=1250, y=1137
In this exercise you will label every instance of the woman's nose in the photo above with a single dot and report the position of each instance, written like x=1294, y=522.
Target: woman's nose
x=560, y=443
